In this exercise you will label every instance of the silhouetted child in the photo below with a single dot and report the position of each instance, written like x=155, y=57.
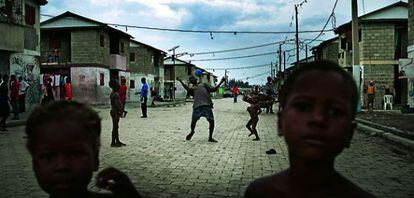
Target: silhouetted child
x=317, y=120
x=123, y=95
x=254, y=112
x=116, y=113
x=203, y=105
x=63, y=138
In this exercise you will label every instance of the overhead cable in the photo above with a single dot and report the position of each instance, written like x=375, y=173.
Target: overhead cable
x=332, y=15
x=235, y=68
x=237, y=49
x=237, y=57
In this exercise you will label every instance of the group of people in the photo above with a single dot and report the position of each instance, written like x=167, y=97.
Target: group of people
x=316, y=119
x=12, y=98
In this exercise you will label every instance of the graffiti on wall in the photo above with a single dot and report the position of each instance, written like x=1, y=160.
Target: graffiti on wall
x=27, y=67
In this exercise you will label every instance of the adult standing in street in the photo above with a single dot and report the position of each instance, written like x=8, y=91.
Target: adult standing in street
x=14, y=96
x=22, y=94
x=4, y=102
x=144, y=97
x=270, y=94
x=235, y=93
x=203, y=105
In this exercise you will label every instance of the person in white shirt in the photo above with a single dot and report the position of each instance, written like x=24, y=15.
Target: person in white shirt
x=22, y=94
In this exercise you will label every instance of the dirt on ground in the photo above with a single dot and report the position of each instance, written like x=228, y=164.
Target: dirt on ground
x=404, y=122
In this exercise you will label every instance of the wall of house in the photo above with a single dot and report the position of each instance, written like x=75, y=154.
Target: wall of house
x=330, y=52
x=377, y=58
x=27, y=66
x=86, y=85
x=86, y=47
x=410, y=92
x=377, y=43
x=411, y=23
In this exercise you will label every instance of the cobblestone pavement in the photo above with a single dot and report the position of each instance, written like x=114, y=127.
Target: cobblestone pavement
x=162, y=164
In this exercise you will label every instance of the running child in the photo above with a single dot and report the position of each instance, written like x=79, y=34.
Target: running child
x=254, y=112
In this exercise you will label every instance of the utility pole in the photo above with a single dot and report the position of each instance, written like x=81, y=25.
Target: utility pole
x=356, y=69
x=271, y=69
x=280, y=55
x=225, y=77
x=306, y=52
x=173, y=59
x=297, y=36
x=284, y=60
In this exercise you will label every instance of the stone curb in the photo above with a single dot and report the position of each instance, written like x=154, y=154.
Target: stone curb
x=393, y=130
x=386, y=135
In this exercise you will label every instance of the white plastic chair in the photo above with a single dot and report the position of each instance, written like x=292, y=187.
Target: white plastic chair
x=388, y=99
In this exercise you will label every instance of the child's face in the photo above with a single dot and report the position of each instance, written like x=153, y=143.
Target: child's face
x=63, y=158
x=317, y=119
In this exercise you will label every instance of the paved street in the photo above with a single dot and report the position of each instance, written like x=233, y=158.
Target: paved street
x=162, y=164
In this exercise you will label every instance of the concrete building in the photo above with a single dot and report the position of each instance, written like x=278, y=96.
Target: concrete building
x=20, y=44
x=173, y=69
x=327, y=50
x=383, y=40
x=145, y=61
x=407, y=67
x=87, y=52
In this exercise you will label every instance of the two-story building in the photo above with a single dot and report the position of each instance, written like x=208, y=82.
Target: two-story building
x=145, y=61
x=327, y=50
x=383, y=41
x=86, y=52
x=20, y=42
x=176, y=68
x=408, y=69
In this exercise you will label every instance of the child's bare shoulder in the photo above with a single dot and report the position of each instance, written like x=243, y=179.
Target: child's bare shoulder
x=349, y=189
x=270, y=186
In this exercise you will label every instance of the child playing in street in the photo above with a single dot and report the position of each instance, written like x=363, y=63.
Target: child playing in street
x=203, y=105
x=116, y=113
x=63, y=139
x=317, y=120
x=123, y=95
x=254, y=112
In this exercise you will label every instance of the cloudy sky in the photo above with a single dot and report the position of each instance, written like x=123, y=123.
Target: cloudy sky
x=214, y=15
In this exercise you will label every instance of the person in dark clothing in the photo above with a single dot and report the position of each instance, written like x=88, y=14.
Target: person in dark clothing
x=116, y=112
x=49, y=92
x=14, y=96
x=4, y=102
x=203, y=105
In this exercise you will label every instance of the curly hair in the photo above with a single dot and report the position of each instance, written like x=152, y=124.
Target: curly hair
x=59, y=111
x=324, y=66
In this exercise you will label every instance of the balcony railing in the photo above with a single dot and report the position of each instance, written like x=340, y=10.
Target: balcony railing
x=117, y=61
x=52, y=57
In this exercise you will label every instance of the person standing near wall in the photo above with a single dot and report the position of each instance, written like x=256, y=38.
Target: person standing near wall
x=371, y=95
x=4, y=102
x=144, y=97
x=14, y=96
x=22, y=94
x=68, y=89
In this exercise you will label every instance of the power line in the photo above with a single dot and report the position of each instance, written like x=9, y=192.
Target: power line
x=235, y=32
x=332, y=15
x=255, y=76
x=237, y=49
x=235, y=68
x=237, y=57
